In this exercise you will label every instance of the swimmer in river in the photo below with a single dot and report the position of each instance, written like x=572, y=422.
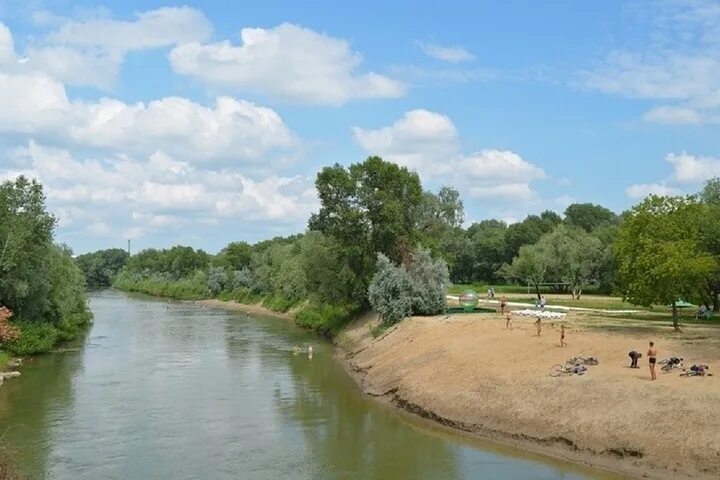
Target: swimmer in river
x=310, y=351
x=296, y=350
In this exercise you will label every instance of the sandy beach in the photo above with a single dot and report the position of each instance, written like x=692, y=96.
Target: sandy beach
x=470, y=373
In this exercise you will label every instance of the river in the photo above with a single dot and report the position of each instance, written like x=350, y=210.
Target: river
x=170, y=390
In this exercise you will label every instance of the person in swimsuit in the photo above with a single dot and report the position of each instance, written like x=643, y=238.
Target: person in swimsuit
x=562, y=336
x=538, y=325
x=652, y=359
x=503, y=303
x=508, y=320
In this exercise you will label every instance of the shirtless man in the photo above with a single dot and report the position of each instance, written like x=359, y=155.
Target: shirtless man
x=538, y=325
x=652, y=359
x=508, y=321
x=562, y=336
x=503, y=303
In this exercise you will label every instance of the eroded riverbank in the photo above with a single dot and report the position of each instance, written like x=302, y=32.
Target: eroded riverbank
x=470, y=373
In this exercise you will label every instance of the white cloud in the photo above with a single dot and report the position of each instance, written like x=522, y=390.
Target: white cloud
x=90, y=52
x=693, y=169
x=672, y=115
x=133, y=197
x=428, y=143
x=638, y=191
x=231, y=129
x=679, y=67
x=446, y=54
x=287, y=61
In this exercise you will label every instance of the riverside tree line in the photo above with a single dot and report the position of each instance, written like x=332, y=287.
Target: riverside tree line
x=380, y=241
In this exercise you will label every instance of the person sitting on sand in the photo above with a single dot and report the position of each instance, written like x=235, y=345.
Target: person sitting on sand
x=634, y=356
x=652, y=359
x=538, y=325
x=503, y=304
x=562, y=336
x=508, y=321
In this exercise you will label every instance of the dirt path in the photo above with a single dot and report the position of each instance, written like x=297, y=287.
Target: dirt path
x=469, y=372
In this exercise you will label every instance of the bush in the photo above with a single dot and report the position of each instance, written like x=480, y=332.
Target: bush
x=34, y=338
x=217, y=280
x=419, y=288
x=278, y=303
x=325, y=319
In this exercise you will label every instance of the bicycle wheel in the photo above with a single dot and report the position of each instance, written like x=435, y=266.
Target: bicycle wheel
x=557, y=370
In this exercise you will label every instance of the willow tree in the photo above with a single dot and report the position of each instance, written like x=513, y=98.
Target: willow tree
x=660, y=255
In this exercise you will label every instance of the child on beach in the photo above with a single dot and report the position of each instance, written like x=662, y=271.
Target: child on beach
x=508, y=321
x=562, y=336
x=538, y=325
x=503, y=304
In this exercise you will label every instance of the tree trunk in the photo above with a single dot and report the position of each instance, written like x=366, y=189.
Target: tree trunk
x=537, y=290
x=716, y=301
x=579, y=293
x=676, y=325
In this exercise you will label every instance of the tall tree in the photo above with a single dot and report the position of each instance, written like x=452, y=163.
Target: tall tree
x=369, y=208
x=660, y=255
x=589, y=216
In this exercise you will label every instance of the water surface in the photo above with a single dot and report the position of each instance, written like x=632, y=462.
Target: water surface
x=168, y=390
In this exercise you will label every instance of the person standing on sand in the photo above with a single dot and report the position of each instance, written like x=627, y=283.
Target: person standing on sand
x=508, y=321
x=543, y=302
x=652, y=359
x=538, y=325
x=562, y=336
x=503, y=304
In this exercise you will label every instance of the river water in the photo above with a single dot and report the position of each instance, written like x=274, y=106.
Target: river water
x=168, y=390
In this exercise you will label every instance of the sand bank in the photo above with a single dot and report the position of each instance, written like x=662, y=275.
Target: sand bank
x=470, y=373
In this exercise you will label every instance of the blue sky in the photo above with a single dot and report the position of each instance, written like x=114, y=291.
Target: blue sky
x=205, y=122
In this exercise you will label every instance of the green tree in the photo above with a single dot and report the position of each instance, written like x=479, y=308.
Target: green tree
x=589, y=216
x=530, y=266
x=100, y=267
x=368, y=208
x=660, y=255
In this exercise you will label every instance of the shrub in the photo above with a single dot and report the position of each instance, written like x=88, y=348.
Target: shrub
x=217, y=280
x=34, y=338
x=419, y=287
x=325, y=319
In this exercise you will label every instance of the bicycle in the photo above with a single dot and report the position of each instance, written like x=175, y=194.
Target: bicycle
x=583, y=361
x=558, y=370
x=671, y=363
x=696, y=371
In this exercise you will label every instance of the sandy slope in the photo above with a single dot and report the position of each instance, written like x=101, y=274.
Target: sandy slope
x=467, y=371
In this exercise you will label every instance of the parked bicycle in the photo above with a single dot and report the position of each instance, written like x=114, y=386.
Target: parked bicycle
x=671, y=363
x=558, y=370
x=583, y=361
x=696, y=371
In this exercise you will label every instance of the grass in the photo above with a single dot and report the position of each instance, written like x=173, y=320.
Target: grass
x=5, y=358
x=482, y=288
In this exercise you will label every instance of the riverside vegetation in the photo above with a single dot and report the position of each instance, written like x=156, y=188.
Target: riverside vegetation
x=380, y=241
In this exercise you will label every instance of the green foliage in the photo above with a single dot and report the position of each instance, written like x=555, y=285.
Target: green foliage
x=419, y=287
x=101, y=267
x=660, y=254
x=39, y=281
x=189, y=288
x=588, y=216
x=369, y=208
x=324, y=318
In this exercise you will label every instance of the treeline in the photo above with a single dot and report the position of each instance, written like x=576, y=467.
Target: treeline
x=40, y=283
x=379, y=240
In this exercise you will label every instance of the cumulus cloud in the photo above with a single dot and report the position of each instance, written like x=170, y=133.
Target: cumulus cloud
x=230, y=129
x=679, y=68
x=121, y=195
x=428, y=143
x=446, y=54
x=90, y=52
x=286, y=61
x=642, y=190
x=689, y=168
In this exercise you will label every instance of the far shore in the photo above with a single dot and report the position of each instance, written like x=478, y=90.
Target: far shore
x=469, y=373
x=256, y=309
